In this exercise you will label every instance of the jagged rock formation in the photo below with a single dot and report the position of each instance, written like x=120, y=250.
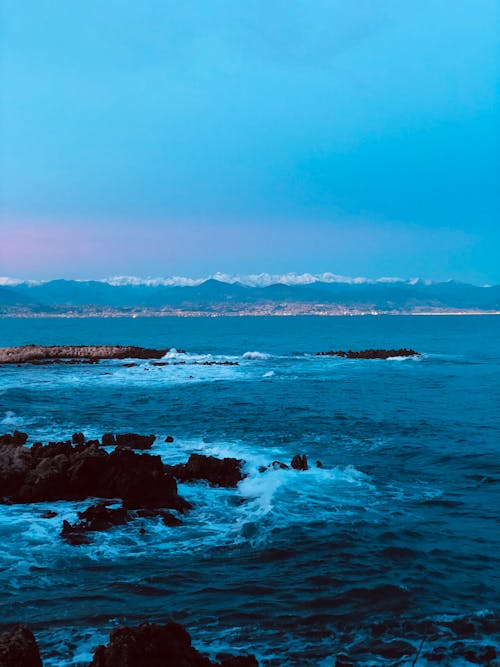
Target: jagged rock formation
x=60, y=471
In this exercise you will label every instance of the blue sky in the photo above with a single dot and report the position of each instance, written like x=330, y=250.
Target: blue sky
x=160, y=138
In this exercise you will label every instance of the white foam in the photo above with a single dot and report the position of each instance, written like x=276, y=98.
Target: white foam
x=256, y=355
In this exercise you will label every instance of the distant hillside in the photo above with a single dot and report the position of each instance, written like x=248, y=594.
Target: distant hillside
x=214, y=296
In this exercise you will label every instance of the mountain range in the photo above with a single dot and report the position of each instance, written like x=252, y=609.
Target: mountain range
x=59, y=297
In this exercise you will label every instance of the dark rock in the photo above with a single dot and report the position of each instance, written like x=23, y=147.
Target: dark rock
x=18, y=648
x=299, y=462
x=370, y=354
x=78, y=438
x=155, y=646
x=217, y=472
x=278, y=465
x=169, y=438
x=134, y=440
x=108, y=440
x=59, y=471
x=170, y=519
x=17, y=438
x=319, y=464
x=49, y=514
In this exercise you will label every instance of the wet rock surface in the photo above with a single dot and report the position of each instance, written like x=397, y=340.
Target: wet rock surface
x=217, y=472
x=37, y=353
x=370, y=353
x=61, y=471
x=18, y=648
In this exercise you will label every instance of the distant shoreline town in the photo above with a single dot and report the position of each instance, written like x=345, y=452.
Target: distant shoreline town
x=219, y=298
x=286, y=311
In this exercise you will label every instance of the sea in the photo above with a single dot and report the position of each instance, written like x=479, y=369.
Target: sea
x=398, y=532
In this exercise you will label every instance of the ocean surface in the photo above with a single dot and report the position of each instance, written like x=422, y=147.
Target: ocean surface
x=400, y=526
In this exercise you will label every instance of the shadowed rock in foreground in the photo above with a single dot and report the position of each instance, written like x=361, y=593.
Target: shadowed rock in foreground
x=41, y=353
x=158, y=646
x=18, y=648
x=370, y=354
x=145, y=646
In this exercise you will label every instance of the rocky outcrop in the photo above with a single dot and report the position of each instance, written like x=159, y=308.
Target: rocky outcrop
x=299, y=462
x=99, y=517
x=158, y=646
x=18, y=648
x=60, y=471
x=370, y=354
x=95, y=518
x=33, y=353
x=217, y=472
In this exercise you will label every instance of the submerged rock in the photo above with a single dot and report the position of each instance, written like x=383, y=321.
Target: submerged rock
x=154, y=645
x=370, y=354
x=18, y=648
x=53, y=353
x=217, y=472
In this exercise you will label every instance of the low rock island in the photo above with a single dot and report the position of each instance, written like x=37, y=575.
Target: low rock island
x=75, y=353
x=370, y=354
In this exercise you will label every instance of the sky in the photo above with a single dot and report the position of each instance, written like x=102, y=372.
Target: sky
x=186, y=138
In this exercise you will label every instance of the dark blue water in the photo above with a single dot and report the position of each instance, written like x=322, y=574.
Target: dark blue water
x=399, y=526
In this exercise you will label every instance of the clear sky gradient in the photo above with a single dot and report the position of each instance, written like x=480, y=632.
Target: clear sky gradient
x=160, y=138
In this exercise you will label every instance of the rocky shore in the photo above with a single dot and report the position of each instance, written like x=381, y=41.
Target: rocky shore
x=370, y=353
x=77, y=353
x=78, y=469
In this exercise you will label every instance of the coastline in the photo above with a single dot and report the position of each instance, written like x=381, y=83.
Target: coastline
x=194, y=314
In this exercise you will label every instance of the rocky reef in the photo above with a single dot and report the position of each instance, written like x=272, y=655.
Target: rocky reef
x=75, y=353
x=370, y=353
